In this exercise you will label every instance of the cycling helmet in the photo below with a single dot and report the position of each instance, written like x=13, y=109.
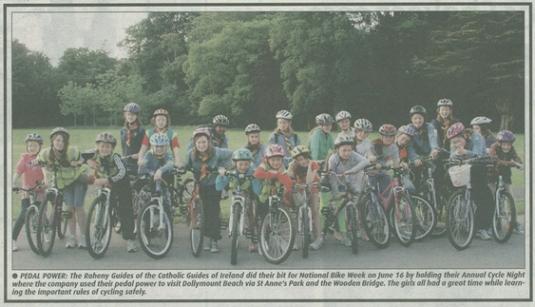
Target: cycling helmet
x=363, y=124
x=284, y=114
x=480, y=120
x=202, y=131
x=408, y=130
x=242, y=154
x=444, y=102
x=455, y=130
x=33, y=137
x=418, y=109
x=274, y=150
x=343, y=115
x=300, y=150
x=159, y=139
x=343, y=140
x=160, y=112
x=324, y=119
x=106, y=137
x=220, y=120
x=505, y=136
x=59, y=130
x=387, y=130
x=132, y=107
x=252, y=128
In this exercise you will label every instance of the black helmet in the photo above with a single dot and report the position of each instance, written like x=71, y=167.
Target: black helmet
x=418, y=109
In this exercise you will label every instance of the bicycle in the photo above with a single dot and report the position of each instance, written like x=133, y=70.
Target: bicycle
x=461, y=206
x=277, y=233
x=31, y=218
x=100, y=220
x=304, y=215
x=504, y=217
x=195, y=219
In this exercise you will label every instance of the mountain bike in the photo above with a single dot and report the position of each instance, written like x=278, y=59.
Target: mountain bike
x=304, y=215
x=31, y=218
x=504, y=217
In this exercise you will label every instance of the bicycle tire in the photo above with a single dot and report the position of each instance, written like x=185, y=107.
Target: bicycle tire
x=146, y=231
x=31, y=224
x=375, y=222
x=403, y=211
x=266, y=236
x=306, y=231
x=496, y=223
x=197, y=230
x=47, y=227
x=352, y=229
x=236, y=212
x=455, y=215
x=98, y=210
x=441, y=212
x=425, y=217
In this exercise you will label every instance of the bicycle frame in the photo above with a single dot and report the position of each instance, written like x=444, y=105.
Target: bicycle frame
x=304, y=206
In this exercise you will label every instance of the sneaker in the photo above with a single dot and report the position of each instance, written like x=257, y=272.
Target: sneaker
x=519, y=229
x=346, y=242
x=317, y=243
x=483, y=234
x=206, y=244
x=214, y=248
x=296, y=245
x=70, y=241
x=82, y=243
x=252, y=248
x=14, y=246
x=131, y=246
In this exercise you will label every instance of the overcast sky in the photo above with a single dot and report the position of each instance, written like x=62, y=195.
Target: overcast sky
x=52, y=33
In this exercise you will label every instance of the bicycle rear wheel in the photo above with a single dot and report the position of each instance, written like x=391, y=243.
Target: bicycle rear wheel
x=425, y=217
x=196, y=220
x=46, y=230
x=352, y=227
x=504, y=218
x=460, y=221
x=98, y=229
x=375, y=222
x=276, y=236
x=31, y=225
x=403, y=220
x=155, y=234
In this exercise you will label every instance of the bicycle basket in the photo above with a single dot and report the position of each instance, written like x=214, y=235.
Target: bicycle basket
x=460, y=175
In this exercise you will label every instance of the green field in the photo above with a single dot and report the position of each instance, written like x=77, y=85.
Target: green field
x=84, y=138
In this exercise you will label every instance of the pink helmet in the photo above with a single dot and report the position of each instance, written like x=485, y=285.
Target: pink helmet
x=274, y=150
x=505, y=136
x=454, y=130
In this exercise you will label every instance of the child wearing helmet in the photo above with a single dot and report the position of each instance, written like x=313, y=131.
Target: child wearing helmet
x=257, y=149
x=403, y=138
x=347, y=162
x=220, y=124
x=32, y=175
x=284, y=135
x=363, y=145
x=387, y=153
x=321, y=141
x=204, y=159
x=304, y=170
x=443, y=120
x=110, y=171
x=481, y=125
x=241, y=175
x=161, y=123
x=343, y=119
x=424, y=141
x=71, y=177
x=132, y=135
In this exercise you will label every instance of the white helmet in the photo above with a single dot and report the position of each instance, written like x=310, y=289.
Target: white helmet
x=342, y=115
x=480, y=120
x=363, y=124
x=284, y=114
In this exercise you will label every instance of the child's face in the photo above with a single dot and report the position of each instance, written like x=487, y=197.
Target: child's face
x=58, y=142
x=417, y=120
x=361, y=135
x=388, y=139
x=344, y=151
x=403, y=139
x=220, y=130
x=160, y=121
x=326, y=128
x=476, y=128
x=33, y=147
x=201, y=144
x=253, y=138
x=344, y=124
x=457, y=143
x=275, y=162
x=283, y=124
x=130, y=117
x=302, y=161
x=104, y=149
x=160, y=150
x=242, y=166
x=444, y=111
x=506, y=146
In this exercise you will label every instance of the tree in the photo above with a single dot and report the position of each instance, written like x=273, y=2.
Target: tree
x=82, y=65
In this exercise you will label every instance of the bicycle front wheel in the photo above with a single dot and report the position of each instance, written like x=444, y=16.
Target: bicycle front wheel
x=375, y=222
x=98, y=229
x=196, y=221
x=236, y=215
x=62, y=223
x=305, y=228
x=31, y=225
x=46, y=230
x=352, y=227
x=276, y=236
x=155, y=231
x=460, y=221
x=403, y=220
x=425, y=217
x=504, y=218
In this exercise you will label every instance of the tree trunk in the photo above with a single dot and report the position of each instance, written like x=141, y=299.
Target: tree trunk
x=74, y=119
x=506, y=113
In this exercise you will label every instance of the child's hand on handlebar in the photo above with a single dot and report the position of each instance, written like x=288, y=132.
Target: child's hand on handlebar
x=158, y=175
x=222, y=171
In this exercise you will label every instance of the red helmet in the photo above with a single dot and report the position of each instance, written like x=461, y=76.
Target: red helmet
x=454, y=130
x=274, y=150
x=387, y=130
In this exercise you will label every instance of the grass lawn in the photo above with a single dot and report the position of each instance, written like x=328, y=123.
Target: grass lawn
x=84, y=139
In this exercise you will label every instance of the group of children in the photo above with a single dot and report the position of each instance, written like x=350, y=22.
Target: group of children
x=263, y=168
